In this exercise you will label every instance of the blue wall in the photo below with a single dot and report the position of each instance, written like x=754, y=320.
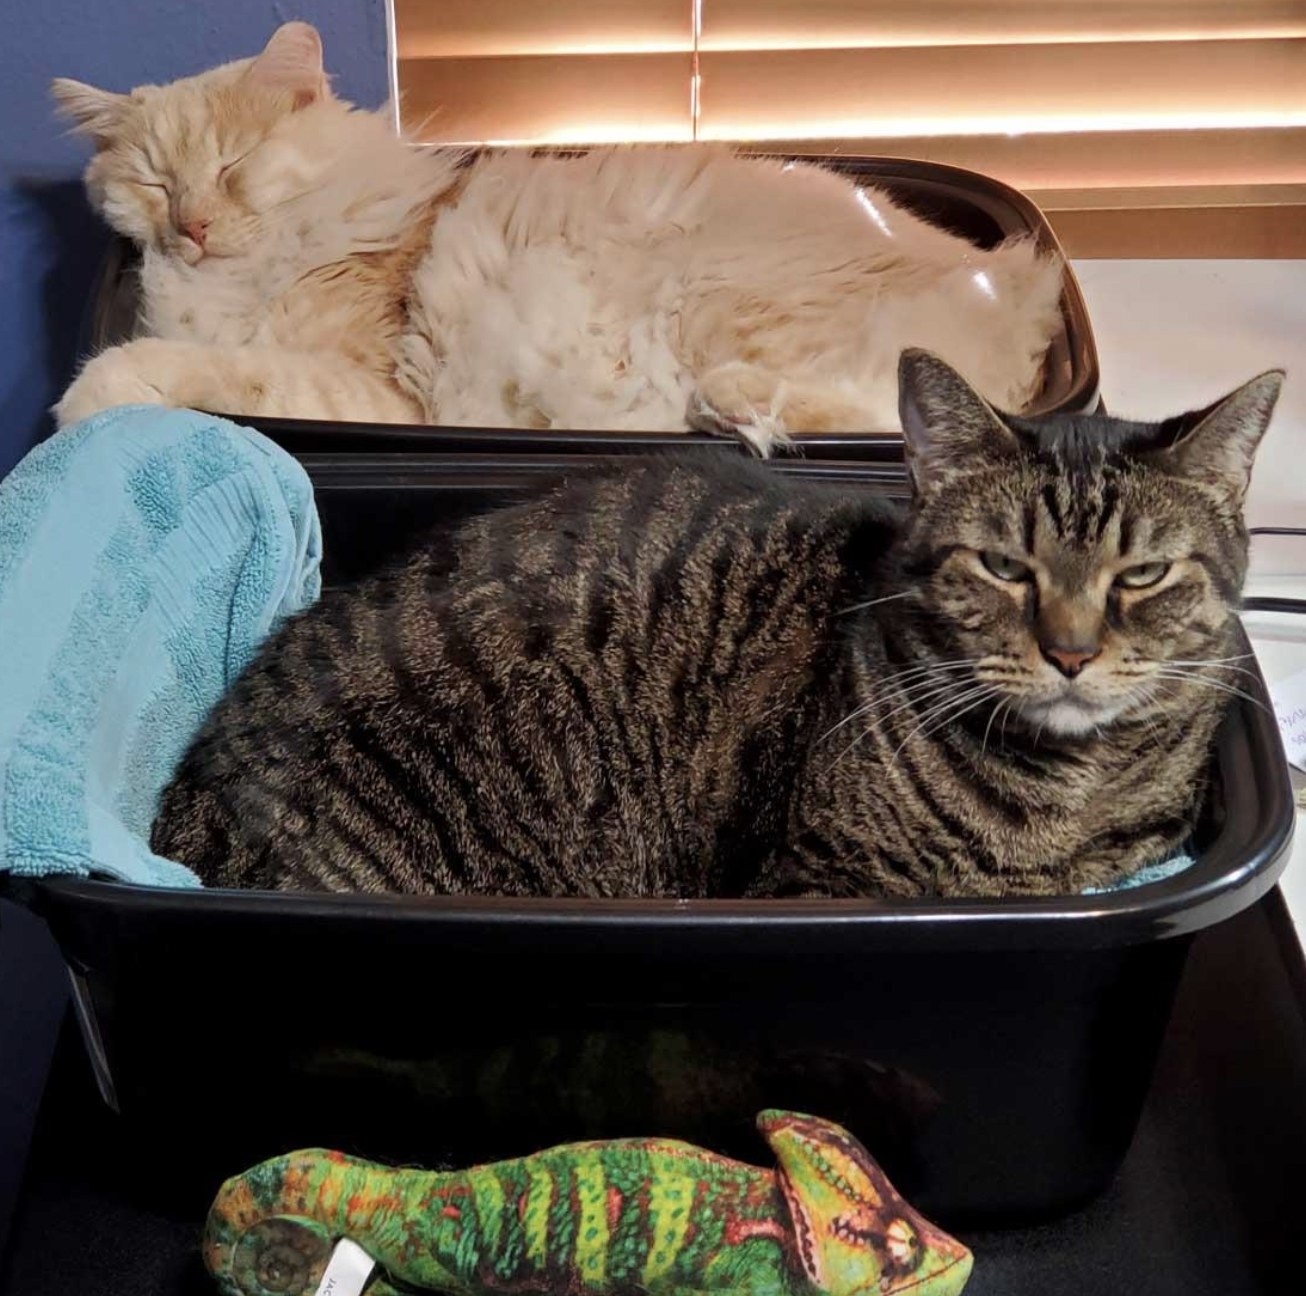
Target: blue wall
x=50, y=244
x=49, y=240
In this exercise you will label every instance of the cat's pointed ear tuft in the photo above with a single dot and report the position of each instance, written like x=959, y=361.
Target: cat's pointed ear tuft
x=292, y=62
x=93, y=112
x=1217, y=445
x=948, y=428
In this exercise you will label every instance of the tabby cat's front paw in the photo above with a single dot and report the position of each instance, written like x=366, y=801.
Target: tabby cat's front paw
x=115, y=377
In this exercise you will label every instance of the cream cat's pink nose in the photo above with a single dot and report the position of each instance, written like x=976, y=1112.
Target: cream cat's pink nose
x=196, y=230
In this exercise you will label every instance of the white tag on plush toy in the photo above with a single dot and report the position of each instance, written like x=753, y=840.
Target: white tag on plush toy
x=1289, y=698
x=347, y=1272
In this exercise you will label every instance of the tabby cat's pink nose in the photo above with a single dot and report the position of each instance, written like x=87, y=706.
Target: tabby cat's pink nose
x=1069, y=661
x=196, y=230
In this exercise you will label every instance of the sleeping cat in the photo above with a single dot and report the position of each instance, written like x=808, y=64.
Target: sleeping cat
x=300, y=259
x=702, y=677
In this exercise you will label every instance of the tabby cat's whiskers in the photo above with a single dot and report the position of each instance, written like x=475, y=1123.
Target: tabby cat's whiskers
x=904, y=684
x=949, y=712
x=922, y=693
x=1141, y=697
x=1001, y=707
x=888, y=598
x=1192, y=677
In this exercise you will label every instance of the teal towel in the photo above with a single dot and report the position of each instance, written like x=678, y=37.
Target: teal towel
x=144, y=555
x=1156, y=872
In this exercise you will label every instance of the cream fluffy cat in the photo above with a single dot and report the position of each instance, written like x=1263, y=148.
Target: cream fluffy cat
x=301, y=260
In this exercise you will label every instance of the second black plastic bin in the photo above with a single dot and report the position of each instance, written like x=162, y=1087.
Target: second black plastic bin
x=994, y=1054
x=976, y=207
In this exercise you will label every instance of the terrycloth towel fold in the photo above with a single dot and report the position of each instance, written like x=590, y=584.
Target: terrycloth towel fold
x=1156, y=872
x=144, y=555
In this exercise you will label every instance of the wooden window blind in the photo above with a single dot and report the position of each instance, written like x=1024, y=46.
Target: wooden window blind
x=546, y=71
x=1191, y=113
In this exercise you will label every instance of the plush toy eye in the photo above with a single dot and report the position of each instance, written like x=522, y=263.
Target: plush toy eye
x=901, y=1244
x=1004, y=568
x=1143, y=575
x=280, y=1256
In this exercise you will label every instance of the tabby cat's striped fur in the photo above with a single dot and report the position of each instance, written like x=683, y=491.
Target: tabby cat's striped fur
x=676, y=678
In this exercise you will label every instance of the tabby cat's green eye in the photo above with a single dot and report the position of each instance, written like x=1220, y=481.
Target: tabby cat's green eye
x=1004, y=568
x=1143, y=575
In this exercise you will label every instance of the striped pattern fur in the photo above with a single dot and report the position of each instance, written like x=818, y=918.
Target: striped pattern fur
x=704, y=678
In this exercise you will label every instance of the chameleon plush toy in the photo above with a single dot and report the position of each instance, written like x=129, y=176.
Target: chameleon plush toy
x=619, y=1217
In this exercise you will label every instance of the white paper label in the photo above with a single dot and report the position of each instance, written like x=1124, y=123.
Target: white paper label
x=1289, y=697
x=348, y=1271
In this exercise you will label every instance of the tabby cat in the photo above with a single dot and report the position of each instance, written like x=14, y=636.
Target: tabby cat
x=300, y=259
x=705, y=678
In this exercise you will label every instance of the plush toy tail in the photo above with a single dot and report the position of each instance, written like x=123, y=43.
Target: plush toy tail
x=272, y=1230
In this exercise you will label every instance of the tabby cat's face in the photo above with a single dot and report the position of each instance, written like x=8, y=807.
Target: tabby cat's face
x=1085, y=568
x=201, y=167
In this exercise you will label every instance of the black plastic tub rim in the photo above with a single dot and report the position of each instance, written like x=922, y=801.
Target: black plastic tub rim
x=1241, y=864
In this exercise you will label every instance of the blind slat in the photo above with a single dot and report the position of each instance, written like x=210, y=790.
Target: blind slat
x=1043, y=164
x=817, y=24
x=1165, y=232
x=548, y=99
x=990, y=89
x=458, y=29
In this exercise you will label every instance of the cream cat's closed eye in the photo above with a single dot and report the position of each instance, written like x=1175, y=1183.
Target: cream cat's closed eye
x=227, y=167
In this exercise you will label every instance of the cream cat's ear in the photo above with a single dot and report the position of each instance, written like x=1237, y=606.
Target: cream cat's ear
x=948, y=428
x=1217, y=445
x=292, y=61
x=94, y=112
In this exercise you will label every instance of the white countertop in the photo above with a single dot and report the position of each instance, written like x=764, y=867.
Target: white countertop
x=1174, y=335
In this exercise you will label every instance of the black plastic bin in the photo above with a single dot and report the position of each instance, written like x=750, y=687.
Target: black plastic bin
x=974, y=206
x=993, y=1054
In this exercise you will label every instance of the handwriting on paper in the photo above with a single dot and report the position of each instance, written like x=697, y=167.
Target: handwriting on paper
x=1289, y=698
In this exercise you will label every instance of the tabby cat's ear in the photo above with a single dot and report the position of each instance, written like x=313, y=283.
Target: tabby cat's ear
x=1217, y=445
x=292, y=62
x=947, y=426
x=97, y=113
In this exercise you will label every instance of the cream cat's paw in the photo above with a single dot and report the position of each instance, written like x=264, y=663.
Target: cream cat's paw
x=115, y=377
x=765, y=410
x=740, y=401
